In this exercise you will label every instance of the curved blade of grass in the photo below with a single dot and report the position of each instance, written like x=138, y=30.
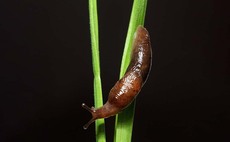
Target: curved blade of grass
x=124, y=120
x=98, y=99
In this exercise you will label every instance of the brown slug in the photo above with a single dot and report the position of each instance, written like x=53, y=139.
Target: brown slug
x=127, y=88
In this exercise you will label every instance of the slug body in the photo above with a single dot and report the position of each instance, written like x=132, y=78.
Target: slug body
x=127, y=88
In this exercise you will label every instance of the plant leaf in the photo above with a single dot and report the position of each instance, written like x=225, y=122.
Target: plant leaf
x=124, y=120
x=98, y=99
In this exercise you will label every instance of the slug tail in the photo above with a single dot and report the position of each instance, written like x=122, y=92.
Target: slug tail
x=92, y=111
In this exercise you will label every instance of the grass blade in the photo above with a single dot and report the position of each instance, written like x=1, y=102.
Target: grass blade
x=98, y=99
x=124, y=120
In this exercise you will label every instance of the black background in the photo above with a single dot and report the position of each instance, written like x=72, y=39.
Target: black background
x=46, y=72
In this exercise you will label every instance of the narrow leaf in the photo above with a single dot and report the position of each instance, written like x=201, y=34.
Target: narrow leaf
x=124, y=120
x=98, y=99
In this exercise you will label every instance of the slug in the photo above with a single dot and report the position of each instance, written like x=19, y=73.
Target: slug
x=127, y=88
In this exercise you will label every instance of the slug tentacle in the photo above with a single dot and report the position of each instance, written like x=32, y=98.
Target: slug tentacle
x=92, y=111
x=127, y=88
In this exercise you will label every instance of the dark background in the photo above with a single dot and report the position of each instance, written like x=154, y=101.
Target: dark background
x=46, y=72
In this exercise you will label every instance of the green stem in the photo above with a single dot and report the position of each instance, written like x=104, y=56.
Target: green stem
x=124, y=121
x=98, y=99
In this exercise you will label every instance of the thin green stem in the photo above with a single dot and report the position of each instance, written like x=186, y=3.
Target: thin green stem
x=98, y=99
x=124, y=121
